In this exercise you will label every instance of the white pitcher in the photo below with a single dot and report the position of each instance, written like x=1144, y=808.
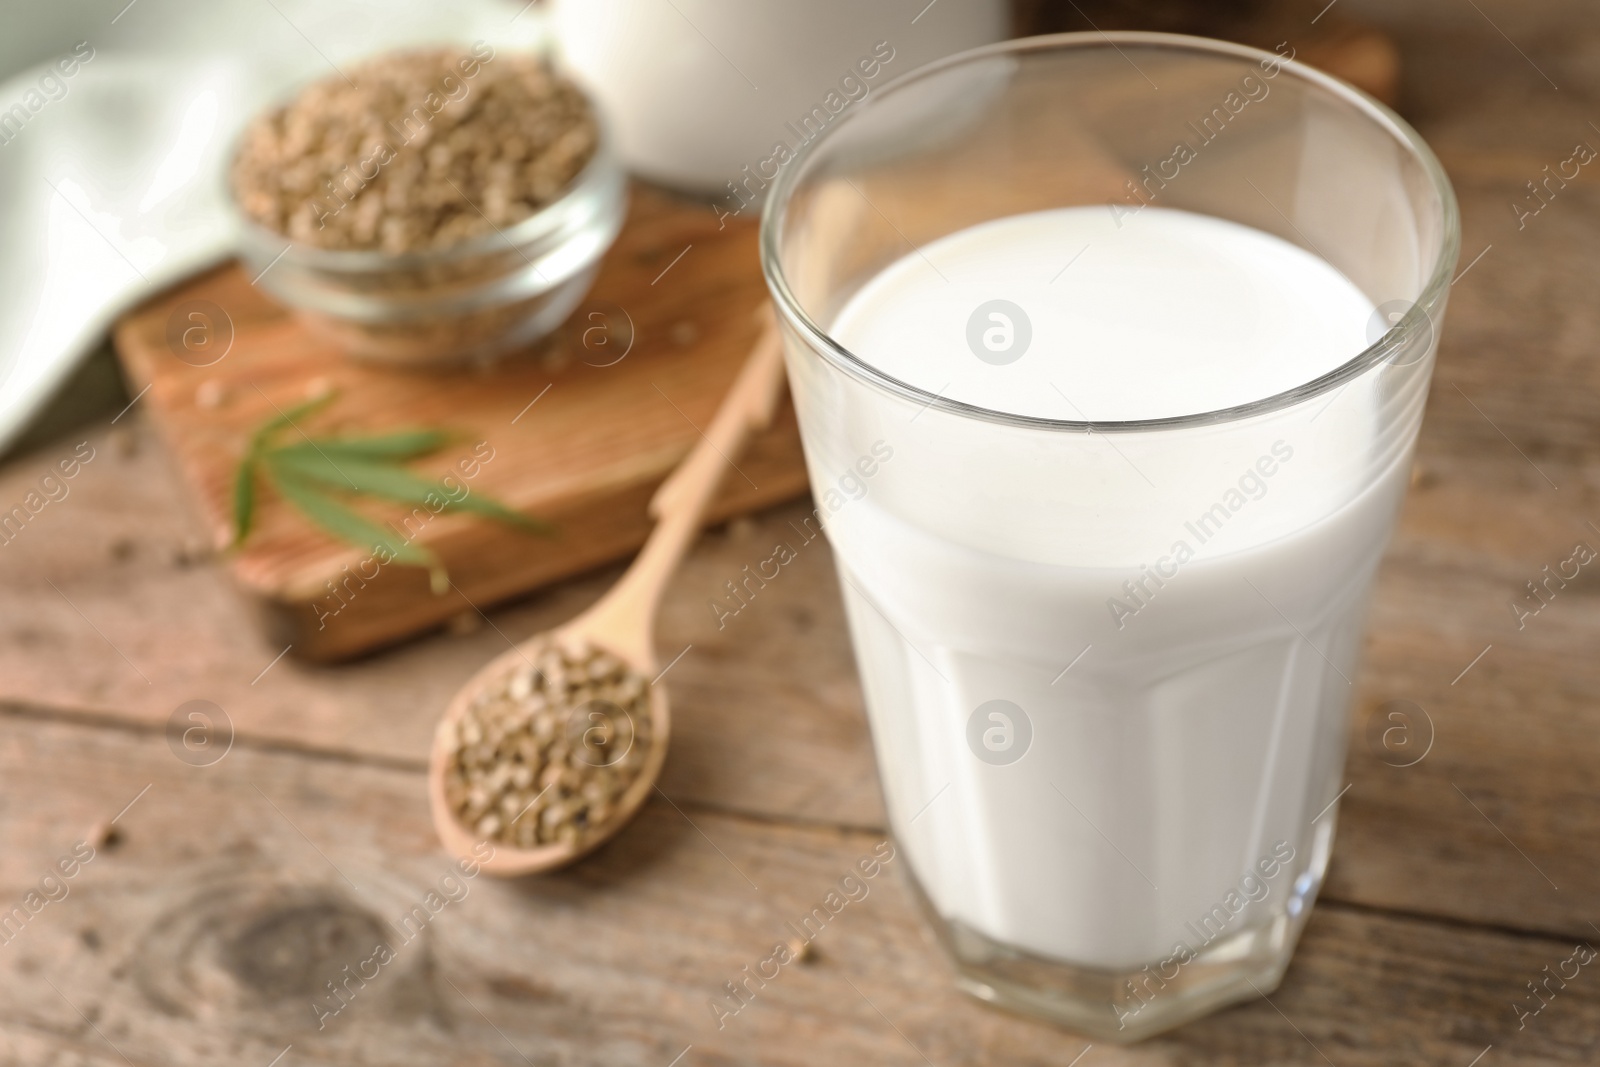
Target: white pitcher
x=698, y=91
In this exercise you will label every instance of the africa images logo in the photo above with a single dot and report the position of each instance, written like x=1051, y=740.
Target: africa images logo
x=999, y=732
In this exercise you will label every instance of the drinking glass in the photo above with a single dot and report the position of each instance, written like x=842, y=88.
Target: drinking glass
x=1115, y=819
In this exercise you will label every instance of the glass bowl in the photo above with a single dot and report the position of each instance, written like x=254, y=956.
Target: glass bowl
x=466, y=302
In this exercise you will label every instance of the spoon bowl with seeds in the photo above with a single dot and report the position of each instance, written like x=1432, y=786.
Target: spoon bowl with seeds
x=555, y=745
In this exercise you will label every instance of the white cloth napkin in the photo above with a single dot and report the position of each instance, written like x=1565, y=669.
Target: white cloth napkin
x=114, y=126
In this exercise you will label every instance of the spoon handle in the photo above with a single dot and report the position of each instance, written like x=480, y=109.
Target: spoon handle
x=628, y=610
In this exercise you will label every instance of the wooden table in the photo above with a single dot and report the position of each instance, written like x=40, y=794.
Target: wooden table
x=220, y=899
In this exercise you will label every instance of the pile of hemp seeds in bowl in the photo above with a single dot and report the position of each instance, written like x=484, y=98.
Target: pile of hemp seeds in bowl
x=416, y=151
x=544, y=756
x=437, y=207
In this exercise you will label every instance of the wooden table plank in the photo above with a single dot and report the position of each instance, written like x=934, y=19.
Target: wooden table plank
x=766, y=710
x=239, y=889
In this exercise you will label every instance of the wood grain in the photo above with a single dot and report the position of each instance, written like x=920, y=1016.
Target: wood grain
x=766, y=709
x=239, y=890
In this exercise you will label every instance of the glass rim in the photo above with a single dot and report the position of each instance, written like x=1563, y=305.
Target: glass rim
x=1446, y=253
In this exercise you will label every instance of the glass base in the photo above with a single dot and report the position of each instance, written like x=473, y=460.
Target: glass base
x=1122, y=1006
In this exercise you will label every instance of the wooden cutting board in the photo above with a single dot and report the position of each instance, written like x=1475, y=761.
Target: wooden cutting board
x=578, y=432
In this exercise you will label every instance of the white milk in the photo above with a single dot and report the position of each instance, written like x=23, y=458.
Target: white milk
x=1205, y=723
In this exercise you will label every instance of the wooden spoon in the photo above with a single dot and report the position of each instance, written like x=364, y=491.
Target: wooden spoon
x=623, y=621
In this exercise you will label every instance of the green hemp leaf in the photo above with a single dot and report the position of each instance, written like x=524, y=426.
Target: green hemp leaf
x=316, y=475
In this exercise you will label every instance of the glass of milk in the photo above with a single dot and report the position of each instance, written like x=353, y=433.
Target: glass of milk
x=1110, y=352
